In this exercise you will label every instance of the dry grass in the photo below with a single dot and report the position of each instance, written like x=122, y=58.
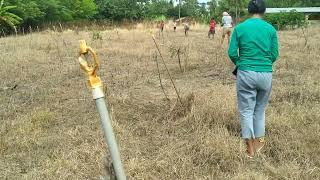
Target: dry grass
x=49, y=128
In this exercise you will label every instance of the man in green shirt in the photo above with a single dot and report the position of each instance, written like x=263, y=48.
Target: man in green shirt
x=253, y=49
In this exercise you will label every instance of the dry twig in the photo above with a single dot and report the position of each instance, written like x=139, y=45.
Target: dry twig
x=159, y=75
x=165, y=65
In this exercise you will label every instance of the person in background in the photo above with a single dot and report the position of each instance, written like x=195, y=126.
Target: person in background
x=212, y=29
x=174, y=26
x=161, y=26
x=253, y=49
x=186, y=28
x=227, y=26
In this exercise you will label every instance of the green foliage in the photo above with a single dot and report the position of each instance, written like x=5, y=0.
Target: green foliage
x=53, y=11
x=284, y=20
x=87, y=9
x=29, y=11
x=40, y=12
x=190, y=8
x=236, y=8
x=120, y=9
x=6, y=17
x=157, y=8
x=292, y=3
x=96, y=35
x=80, y=9
x=35, y=12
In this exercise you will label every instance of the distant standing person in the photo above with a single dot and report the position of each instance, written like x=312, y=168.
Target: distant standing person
x=174, y=26
x=212, y=29
x=253, y=49
x=161, y=26
x=186, y=29
x=227, y=26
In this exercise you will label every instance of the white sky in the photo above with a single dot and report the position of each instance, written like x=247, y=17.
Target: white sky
x=200, y=1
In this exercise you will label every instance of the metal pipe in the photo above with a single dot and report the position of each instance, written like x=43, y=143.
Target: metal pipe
x=108, y=133
x=98, y=95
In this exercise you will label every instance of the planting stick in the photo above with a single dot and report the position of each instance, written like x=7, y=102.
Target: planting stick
x=165, y=65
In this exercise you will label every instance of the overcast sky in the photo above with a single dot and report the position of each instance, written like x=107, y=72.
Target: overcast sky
x=200, y=1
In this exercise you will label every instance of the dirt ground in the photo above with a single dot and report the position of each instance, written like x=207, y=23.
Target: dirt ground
x=49, y=127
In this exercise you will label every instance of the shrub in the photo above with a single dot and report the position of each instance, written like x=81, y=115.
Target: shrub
x=284, y=20
x=96, y=35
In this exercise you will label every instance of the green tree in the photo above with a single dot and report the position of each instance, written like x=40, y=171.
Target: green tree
x=80, y=9
x=29, y=11
x=189, y=8
x=7, y=17
x=120, y=9
x=54, y=11
x=212, y=7
x=38, y=12
x=156, y=8
x=292, y=3
x=88, y=9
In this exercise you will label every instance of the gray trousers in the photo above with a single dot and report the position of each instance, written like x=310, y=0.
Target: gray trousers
x=253, y=92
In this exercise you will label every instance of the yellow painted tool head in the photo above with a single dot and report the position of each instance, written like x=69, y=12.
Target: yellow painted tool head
x=89, y=70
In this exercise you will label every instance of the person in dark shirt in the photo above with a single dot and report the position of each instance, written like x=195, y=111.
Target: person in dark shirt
x=161, y=26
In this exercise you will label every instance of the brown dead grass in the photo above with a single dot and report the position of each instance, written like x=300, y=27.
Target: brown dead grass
x=49, y=128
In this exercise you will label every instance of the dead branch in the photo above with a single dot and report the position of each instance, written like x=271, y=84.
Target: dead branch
x=304, y=36
x=159, y=75
x=179, y=60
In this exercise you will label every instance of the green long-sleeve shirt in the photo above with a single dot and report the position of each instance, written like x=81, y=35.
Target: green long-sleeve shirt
x=254, y=46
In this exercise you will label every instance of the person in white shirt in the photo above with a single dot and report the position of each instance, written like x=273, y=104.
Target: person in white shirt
x=227, y=26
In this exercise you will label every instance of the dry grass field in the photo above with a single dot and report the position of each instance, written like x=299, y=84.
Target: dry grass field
x=49, y=127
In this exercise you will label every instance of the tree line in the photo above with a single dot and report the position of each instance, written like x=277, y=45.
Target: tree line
x=39, y=12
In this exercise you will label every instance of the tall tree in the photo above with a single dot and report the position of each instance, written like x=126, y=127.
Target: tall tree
x=80, y=9
x=212, y=7
x=189, y=8
x=29, y=11
x=120, y=9
x=157, y=8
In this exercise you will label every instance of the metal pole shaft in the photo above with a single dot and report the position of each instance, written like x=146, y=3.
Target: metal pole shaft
x=98, y=95
x=109, y=135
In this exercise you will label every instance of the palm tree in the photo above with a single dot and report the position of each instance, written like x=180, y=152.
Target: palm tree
x=7, y=17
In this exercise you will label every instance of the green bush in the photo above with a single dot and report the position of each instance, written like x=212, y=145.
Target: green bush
x=286, y=20
x=96, y=35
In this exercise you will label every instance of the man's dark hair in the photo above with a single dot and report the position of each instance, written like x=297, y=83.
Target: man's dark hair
x=257, y=7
